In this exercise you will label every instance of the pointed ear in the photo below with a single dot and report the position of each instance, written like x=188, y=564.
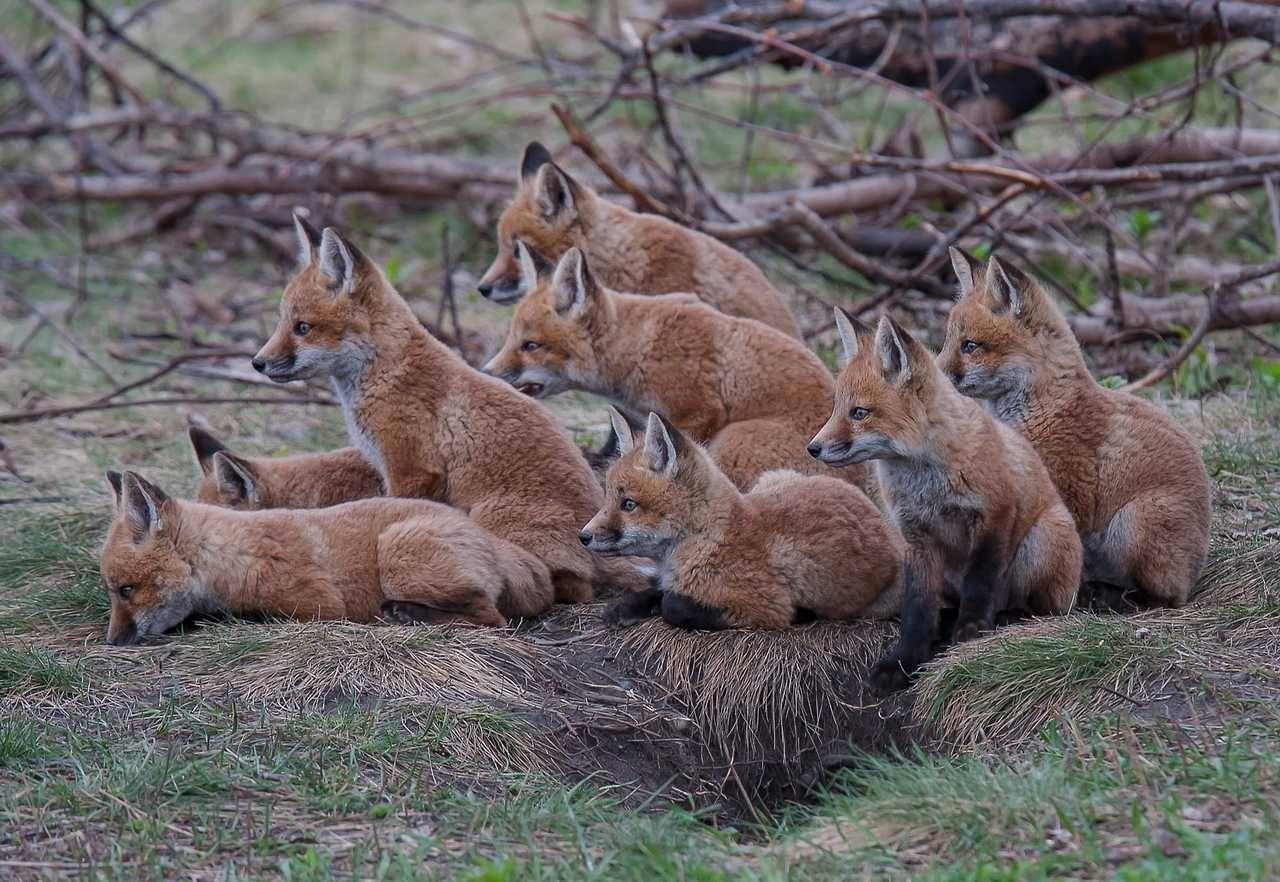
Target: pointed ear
x=966, y=268
x=573, y=284
x=340, y=260
x=893, y=348
x=236, y=481
x=850, y=330
x=555, y=191
x=308, y=237
x=535, y=157
x=534, y=267
x=1006, y=288
x=661, y=447
x=116, y=480
x=142, y=501
x=624, y=438
x=205, y=446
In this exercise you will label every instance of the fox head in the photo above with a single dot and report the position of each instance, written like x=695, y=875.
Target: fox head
x=654, y=490
x=549, y=346
x=543, y=215
x=324, y=326
x=152, y=587
x=227, y=480
x=882, y=395
x=1002, y=326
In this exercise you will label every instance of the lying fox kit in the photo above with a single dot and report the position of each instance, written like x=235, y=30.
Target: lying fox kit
x=430, y=424
x=754, y=395
x=552, y=213
x=985, y=529
x=1131, y=476
x=305, y=480
x=166, y=559
x=793, y=546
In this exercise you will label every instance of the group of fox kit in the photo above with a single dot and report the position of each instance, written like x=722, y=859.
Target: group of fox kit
x=1008, y=477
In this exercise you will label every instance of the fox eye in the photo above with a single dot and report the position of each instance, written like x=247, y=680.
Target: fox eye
x=529, y=345
x=124, y=591
x=859, y=413
x=301, y=329
x=628, y=505
x=968, y=346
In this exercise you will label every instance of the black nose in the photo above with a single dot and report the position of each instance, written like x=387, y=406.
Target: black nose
x=585, y=537
x=127, y=636
x=815, y=449
x=259, y=364
x=485, y=288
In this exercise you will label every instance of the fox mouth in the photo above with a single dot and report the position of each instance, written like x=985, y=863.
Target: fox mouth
x=843, y=456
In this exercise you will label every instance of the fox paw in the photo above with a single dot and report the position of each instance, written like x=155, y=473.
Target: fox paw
x=888, y=676
x=968, y=631
x=632, y=608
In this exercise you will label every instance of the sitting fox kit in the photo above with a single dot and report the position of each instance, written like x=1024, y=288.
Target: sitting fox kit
x=304, y=480
x=753, y=394
x=166, y=559
x=552, y=212
x=431, y=425
x=792, y=546
x=985, y=529
x=1131, y=476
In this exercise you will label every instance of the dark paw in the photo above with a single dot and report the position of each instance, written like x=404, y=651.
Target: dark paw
x=632, y=608
x=404, y=612
x=888, y=676
x=968, y=631
x=685, y=612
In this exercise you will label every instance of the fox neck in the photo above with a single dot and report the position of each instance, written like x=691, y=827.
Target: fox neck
x=221, y=567
x=621, y=354
x=722, y=508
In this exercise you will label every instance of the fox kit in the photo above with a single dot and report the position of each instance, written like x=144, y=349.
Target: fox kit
x=430, y=424
x=645, y=253
x=985, y=528
x=166, y=559
x=753, y=394
x=305, y=480
x=1130, y=475
x=793, y=546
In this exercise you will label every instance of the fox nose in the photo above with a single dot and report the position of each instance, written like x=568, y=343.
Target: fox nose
x=585, y=537
x=485, y=289
x=126, y=636
x=259, y=363
x=815, y=449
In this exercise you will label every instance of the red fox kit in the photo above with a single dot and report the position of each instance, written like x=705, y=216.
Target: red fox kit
x=753, y=394
x=431, y=425
x=305, y=480
x=985, y=528
x=794, y=545
x=1130, y=475
x=644, y=253
x=166, y=559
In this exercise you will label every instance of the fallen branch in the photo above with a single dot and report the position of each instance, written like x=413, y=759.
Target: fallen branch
x=34, y=416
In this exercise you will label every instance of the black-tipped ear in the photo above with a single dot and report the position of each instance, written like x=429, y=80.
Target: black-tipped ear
x=893, y=347
x=205, y=446
x=535, y=157
x=556, y=191
x=142, y=501
x=966, y=268
x=573, y=284
x=340, y=259
x=663, y=445
x=308, y=237
x=1006, y=286
x=850, y=330
x=236, y=481
x=624, y=427
x=116, y=480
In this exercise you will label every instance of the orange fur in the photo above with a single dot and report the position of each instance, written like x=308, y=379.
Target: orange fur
x=165, y=559
x=751, y=393
x=985, y=528
x=1131, y=476
x=644, y=253
x=793, y=544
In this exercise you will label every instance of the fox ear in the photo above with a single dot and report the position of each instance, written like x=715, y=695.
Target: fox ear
x=142, y=501
x=236, y=481
x=850, y=330
x=534, y=266
x=892, y=347
x=1006, y=290
x=340, y=260
x=661, y=447
x=555, y=191
x=573, y=285
x=205, y=446
x=965, y=266
x=624, y=438
x=116, y=480
x=308, y=237
x=535, y=157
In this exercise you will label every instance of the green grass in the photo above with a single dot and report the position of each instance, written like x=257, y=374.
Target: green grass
x=49, y=569
x=33, y=669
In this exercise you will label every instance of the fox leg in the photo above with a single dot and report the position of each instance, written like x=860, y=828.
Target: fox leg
x=977, y=611
x=430, y=576
x=1044, y=576
x=922, y=577
x=1150, y=545
x=632, y=607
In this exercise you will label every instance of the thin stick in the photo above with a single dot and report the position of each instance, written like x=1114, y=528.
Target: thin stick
x=34, y=416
